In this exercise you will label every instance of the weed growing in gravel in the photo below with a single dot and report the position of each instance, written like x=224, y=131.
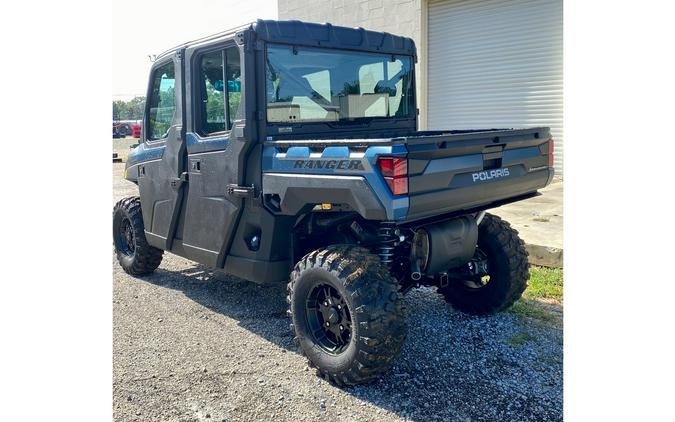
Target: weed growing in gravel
x=519, y=339
x=532, y=309
x=549, y=361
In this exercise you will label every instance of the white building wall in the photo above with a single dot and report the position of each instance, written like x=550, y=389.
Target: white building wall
x=399, y=17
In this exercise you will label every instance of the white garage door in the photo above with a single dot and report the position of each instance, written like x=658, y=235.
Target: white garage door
x=496, y=64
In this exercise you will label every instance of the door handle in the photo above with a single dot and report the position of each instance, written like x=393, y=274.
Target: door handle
x=178, y=182
x=242, y=191
x=195, y=165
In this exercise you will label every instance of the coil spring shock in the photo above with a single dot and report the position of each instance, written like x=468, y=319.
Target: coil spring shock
x=387, y=238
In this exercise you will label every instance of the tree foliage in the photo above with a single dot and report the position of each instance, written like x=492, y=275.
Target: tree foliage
x=129, y=110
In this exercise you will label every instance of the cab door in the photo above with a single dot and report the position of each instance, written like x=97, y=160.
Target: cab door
x=216, y=150
x=161, y=179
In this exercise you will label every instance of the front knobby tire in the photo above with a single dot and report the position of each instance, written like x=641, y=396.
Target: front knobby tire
x=508, y=269
x=134, y=253
x=348, y=288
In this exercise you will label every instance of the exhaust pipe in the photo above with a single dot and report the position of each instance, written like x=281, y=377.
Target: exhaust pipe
x=415, y=273
x=479, y=217
x=438, y=247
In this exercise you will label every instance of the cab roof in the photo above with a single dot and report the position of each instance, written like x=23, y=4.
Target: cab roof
x=315, y=35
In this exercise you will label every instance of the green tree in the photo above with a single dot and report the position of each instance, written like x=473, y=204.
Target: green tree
x=129, y=110
x=215, y=106
x=136, y=106
x=119, y=110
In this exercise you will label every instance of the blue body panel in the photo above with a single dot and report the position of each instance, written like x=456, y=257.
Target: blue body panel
x=196, y=144
x=145, y=152
x=150, y=152
x=276, y=161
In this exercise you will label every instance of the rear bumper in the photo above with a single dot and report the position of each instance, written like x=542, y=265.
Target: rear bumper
x=476, y=195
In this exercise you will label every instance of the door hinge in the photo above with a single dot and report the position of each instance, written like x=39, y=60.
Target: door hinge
x=177, y=182
x=242, y=191
x=239, y=38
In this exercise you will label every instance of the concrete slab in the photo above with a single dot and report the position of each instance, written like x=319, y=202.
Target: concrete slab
x=539, y=221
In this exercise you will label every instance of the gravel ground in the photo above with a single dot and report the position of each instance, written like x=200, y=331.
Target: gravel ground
x=123, y=144
x=193, y=345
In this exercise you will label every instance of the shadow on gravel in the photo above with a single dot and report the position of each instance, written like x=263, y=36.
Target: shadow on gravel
x=259, y=308
x=453, y=366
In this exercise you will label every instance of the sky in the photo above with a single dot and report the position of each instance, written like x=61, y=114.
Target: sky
x=145, y=27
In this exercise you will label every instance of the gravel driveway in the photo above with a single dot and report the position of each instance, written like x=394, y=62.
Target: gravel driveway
x=191, y=345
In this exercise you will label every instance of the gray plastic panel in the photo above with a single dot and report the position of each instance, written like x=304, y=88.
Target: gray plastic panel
x=298, y=192
x=331, y=36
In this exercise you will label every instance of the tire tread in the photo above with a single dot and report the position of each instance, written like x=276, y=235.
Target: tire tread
x=506, y=293
x=146, y=257
x=382, y=329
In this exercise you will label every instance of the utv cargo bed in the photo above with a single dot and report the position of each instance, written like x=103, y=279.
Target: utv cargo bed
x=448, y=171
x=460, y=170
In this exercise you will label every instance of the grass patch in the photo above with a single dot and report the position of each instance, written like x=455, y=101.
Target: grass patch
x=519, y=339
x=545, y=283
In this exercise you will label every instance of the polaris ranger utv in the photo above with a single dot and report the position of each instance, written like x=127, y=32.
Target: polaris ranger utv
x=287, y=147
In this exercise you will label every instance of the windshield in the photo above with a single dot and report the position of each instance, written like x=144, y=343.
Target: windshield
x=322, y=85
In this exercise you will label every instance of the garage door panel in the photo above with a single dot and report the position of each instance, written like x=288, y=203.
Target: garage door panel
x=496, y=63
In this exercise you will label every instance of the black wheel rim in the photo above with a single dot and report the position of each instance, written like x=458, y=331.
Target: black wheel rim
x=329, y=318
x=126, y=242
x=480, y=263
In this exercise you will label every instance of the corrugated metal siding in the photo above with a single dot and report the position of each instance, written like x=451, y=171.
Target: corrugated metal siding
x=496, y=63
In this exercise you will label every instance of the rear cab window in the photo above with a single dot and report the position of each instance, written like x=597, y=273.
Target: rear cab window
x=306, y=85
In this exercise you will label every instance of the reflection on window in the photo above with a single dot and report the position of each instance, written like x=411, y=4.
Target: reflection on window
x=313, y=85
x=215, y=85
x=212, y=95
x=233, y=83
x=162, y=102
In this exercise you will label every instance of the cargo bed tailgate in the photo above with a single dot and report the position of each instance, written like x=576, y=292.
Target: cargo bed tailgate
x=451, y=171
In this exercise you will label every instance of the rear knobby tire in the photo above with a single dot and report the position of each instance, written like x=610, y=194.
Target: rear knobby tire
x=134, y=253
x=375, y=310
x=508, y=271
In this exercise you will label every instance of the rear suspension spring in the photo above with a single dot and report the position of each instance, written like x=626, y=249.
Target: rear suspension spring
x=387, y=238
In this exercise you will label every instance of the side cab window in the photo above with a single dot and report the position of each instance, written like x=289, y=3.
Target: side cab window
x=219, y=90
x=162, y=104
